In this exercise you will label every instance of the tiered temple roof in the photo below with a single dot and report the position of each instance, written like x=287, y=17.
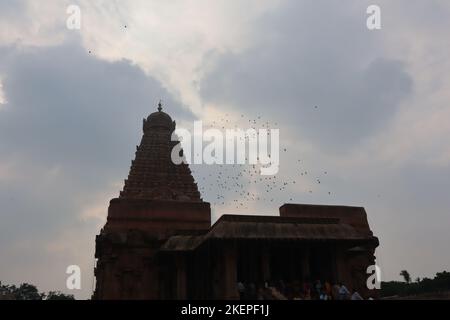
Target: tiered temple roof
x=153, y=175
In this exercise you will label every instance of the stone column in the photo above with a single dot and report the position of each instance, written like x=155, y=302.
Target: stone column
x=229, y=264
x=343, y=268
x=265, y=263
x=306, y=272
x=181, y=284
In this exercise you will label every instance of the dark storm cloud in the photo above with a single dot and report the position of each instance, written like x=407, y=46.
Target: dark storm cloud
x=310, y=55
x=11, y=8
x=66, y=106
x=67, y=131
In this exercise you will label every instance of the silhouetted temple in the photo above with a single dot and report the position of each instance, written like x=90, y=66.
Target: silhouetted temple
x=158, y=242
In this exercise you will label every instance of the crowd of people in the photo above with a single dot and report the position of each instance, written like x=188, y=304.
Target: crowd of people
x=279, y=290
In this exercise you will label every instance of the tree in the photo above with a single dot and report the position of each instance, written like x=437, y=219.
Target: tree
x=440, y=283
x=57, y=295
x=406, y=276
x=28, y=291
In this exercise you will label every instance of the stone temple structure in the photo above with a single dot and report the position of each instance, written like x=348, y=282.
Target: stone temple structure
x=158, y=242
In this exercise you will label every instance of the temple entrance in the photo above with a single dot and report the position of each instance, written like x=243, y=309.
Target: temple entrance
x=286, y=264
x=321, y=263
x=258, y=263
x=248, y=263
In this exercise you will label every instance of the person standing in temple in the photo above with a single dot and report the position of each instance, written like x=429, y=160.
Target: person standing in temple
x=356, y=295
x=307, y=291
x=241, y=290
x=323, y=295
x=343, y=292
x=328, y=290
x=335, y=292
x=318, y=287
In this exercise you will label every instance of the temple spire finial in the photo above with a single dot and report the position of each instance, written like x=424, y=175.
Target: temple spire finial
x=160, y=106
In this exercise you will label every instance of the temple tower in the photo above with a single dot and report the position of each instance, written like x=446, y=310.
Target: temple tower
x=159, y=199
x=153, y=175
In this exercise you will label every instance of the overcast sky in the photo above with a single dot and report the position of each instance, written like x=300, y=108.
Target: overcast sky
x=72, y=103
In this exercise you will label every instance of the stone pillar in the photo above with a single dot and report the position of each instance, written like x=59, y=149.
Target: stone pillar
x=265, y=263
x=151, y=280
x=181, y=281
x=343, y=268
x=111, y=282
x=229, y=264
x=305, y=264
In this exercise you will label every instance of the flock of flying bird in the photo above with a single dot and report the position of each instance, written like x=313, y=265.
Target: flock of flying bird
x=237, y=185
x=242, y=184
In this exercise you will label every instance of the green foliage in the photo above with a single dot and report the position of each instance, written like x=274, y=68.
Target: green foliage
x=57, y=295
x=441, y=282
x=406, y=276
x=28, y=291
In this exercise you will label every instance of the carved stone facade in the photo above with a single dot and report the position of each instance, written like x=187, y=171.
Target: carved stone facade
x=158, y=242
x=153, y=176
